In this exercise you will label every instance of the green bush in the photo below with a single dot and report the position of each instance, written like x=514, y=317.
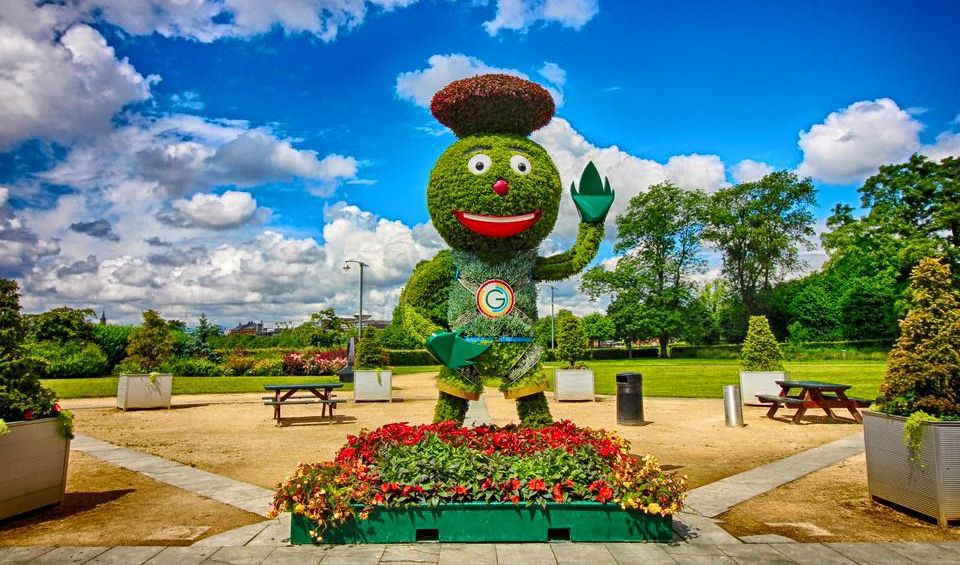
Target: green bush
x=571, y=341
x=240, y=362
x=602, y=353
x=760, y=351
x=193, y=367
x=152, y=343
x=266, y=368
x=409, y=357
x=731, y=351
x=73, y=361
x=113, y=341
x=370, y=353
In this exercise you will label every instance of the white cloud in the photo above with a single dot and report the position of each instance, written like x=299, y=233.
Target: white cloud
x=852, y=143
x=946, y=145
x=420, y=86
x=553, y=73
x=20, y=248
x=520, y=15
x=227, y=210
x=59, y=86
x=749, y=170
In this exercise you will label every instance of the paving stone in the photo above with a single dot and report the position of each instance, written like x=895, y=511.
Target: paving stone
x=20, y=555
x=675, y=549
x=871, y=553
x=411, y=553
x=637, y=553
x=752, y=554
x=812, y=554
x=235, y=537
x=468, y=554
x=295, y=555
x=72, y=555
x=694, y=559
x=576, y=553
x=766, y=538
x=131, y=555
x=273, y=535
x=699, y=530
x=240, y=555
x=925, y=553
x=353, y=555
x=259, y=506
x=525, y=554
x=193, y=555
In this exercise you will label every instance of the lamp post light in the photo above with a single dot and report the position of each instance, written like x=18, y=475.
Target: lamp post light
x=362, y=265
x=553, y=319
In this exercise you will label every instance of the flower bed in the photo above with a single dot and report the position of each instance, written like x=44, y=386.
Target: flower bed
x=399, y=466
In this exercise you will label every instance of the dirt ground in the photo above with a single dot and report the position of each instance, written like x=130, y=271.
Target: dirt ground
x=831, y=505
x=107, y=505
x=237, y=437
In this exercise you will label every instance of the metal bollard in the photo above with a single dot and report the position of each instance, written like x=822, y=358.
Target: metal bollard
x=731, y=406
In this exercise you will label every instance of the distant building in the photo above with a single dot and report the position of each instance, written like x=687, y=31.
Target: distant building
x=351, y=321
x=253, y=328
x=103, y=317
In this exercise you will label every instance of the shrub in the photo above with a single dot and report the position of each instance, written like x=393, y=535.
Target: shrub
x=239, y=362
x=328, y=362
x=72, y=360
x=571, y=341
x=370, y=352
x=193, y=367
x=923, y=372
x=266, y=368
x=624, y=353
x=152, y=343
x=113, y=341
x=760, y=351
x=409, y=357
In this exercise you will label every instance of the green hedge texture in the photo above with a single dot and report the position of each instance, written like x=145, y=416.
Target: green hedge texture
x=760, y=351
x=409, y=357
x=601, y=353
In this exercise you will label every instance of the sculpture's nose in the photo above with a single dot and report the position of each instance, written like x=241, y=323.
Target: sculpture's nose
x=501, y=187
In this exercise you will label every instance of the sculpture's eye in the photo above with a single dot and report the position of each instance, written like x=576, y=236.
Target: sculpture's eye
x=520, y=164
x=479, y=164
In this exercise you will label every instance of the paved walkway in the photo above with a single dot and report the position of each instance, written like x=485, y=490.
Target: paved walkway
x=500, y=554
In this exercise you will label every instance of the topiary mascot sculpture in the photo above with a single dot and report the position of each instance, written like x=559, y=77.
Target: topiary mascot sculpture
x=493, y=196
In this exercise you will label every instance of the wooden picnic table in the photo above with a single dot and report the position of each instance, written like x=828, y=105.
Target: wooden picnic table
x=284, y=394
x=814, y=394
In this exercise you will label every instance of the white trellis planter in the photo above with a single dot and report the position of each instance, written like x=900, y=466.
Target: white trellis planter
x=753, y=383
x=367, y=386
x=144, y=391
x=931, y=487
x=33, y=466
x=573, y=384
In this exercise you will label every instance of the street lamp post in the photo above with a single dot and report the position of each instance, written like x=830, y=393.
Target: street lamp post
x=553, y=318
x=362, y=265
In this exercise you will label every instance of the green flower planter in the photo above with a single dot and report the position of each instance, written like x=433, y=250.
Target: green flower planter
x=479, y=522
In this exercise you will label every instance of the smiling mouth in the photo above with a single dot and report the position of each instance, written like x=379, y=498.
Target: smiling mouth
x=497, y=226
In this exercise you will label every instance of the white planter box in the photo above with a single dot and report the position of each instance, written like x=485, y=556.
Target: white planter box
x=33, y=466
x=931, y=488
x=366, y=387
x=753, y=383
x=573, y=384
x=140, y=391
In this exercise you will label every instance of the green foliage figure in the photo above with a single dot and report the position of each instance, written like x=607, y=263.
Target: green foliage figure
x=493, y=196
x=923, y=371
x=152, y=343
x=370, y=351
x=760, y=351
x=571, y=340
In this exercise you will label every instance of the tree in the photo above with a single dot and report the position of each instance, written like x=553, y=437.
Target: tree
x=760, y=351
x=758, y=227
x=628, y=324
x=204, y=332
x=22, y=397
x=152, y=343
x=658, y=237
x=62, y=325
x=598, y=328
x=370, y=353
x=571, y=341
x=815, y=313
x=923, y=371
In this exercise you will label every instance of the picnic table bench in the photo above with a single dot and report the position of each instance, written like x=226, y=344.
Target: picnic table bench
x=814, y=394
x=321, y=393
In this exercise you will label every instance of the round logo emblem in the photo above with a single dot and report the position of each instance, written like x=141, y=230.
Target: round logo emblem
x=495, y=298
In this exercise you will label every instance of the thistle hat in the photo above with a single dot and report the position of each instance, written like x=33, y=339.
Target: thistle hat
x=491, y=104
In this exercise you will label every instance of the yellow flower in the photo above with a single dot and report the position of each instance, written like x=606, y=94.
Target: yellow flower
x=298, y=509
x=653, y=508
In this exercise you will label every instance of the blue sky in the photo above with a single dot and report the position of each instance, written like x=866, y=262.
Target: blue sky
x=227, y=156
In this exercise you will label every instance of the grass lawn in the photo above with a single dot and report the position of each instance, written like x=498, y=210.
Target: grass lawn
x=107, y=386
x=691, y=378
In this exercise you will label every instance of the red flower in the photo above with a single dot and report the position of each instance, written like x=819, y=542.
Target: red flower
x=56, y=408
x=558, y=492
x=605, y=494
x=385, y=488
x=459, y=490
x=514, y=499
x=487, y=483
x=378, y=498
x=28, y=414
x=536, y=485
x=406, y=490
x=514, y=484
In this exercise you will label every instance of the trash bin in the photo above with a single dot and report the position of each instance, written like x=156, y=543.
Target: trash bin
x=630, y=399
x=731, y=406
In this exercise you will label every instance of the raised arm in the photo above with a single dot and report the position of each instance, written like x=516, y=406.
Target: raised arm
x=593, y=202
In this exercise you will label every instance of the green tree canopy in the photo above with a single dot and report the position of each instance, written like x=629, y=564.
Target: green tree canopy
x=597, y=327
x=21, y=394
x=62, y=325
x=759, y=227
x=658, y=237
x=923, y=369
x=571, y=341
x=151, y=344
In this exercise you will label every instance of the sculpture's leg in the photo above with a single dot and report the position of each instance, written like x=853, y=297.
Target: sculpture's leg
x=450, y=407
x=534, y=411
